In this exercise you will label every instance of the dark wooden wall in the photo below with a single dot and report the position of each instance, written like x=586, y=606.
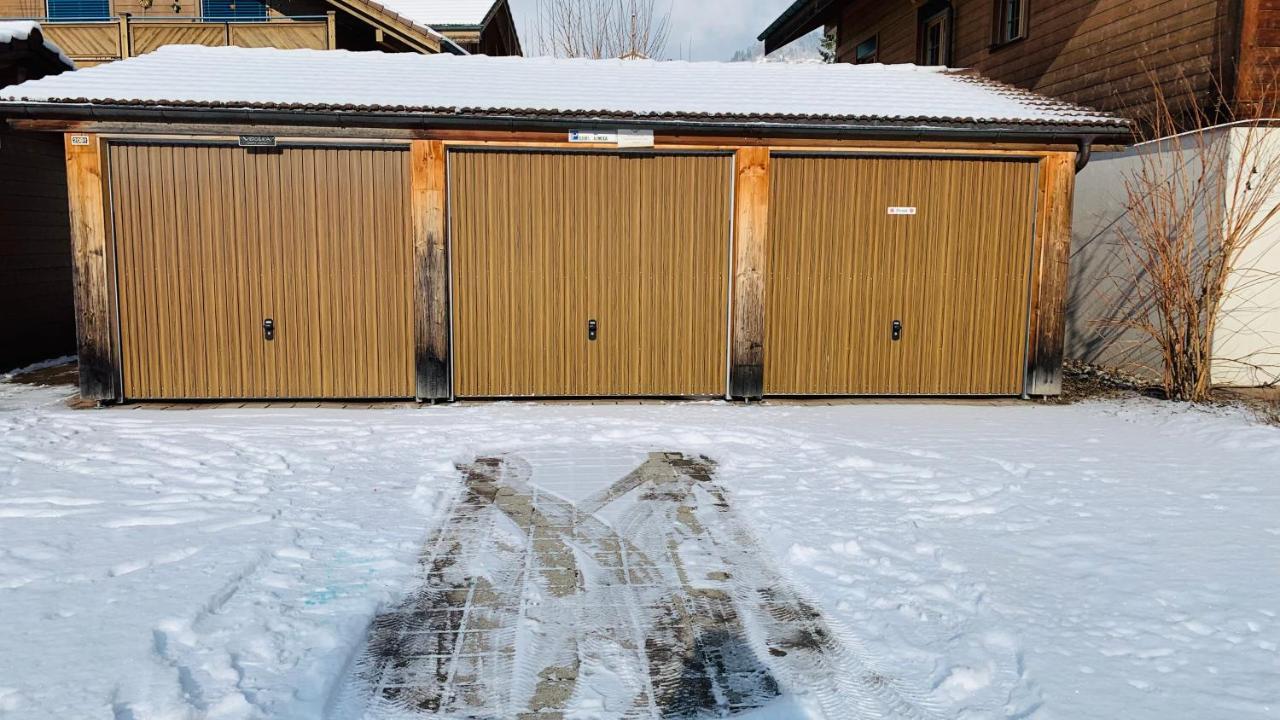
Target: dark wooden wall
x=1100, y=53
x=1257, y=92
x=35, y=251
x=500, y=37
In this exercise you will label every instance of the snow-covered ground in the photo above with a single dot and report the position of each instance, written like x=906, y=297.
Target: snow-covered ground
x=1103, y=560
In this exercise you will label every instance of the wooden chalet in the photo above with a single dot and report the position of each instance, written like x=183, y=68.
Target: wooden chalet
x=92, y=32
x=1219, y=54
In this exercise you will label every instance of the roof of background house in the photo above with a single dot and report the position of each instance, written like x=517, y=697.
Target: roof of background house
x=443, y=13
x=12, y=31
x=799, y=18
x=756, y=94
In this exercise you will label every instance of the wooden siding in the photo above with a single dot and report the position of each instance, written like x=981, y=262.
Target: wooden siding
x=1257, y=90
x=842, y=270
x=542, y=243
x=35, y=251
x=1098, y=53
x=213, y=240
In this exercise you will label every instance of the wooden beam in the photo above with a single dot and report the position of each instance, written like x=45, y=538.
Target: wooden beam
x=1047, y=324
x=431, y=271
x=91, y=268
x=750, y=257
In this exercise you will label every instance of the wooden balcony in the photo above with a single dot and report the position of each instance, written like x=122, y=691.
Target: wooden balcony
x=92, y=42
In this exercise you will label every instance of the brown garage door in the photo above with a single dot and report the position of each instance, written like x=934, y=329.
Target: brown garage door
x=940, y=246
x=212, y=241
x=543, y=244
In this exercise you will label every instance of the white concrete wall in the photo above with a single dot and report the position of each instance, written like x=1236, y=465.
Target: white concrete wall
x=1247, y=344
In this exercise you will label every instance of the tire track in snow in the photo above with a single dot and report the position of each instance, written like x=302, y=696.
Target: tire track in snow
x=530, y=606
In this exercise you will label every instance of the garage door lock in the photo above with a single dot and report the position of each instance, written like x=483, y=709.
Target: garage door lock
x=592, y=329
x=897, y=330
x=269, y=329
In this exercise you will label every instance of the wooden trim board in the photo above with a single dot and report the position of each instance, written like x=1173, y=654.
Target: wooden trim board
x=93, y=287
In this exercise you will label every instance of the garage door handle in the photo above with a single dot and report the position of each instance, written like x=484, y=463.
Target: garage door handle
x=897, y=330
x=592, y=329
x=269, y=329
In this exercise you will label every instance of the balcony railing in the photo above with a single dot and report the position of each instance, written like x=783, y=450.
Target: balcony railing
x=92, y=42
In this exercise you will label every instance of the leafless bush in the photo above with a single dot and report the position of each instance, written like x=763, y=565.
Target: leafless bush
x=603, y=28
x=1195, y=204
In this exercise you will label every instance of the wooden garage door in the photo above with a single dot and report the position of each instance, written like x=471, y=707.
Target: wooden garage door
x=213, y=240
x=544, y=243
x=943, y=246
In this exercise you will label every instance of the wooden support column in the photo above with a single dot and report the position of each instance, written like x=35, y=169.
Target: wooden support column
x=431, y=271
x=331, y=29
x=1049, y=273
x=750, y=257
x=91, y=268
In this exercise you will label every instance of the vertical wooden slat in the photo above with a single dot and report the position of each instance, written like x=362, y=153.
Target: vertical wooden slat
x=430, y=270
x=93, y=287
x=1049, y=275
x=752, y=169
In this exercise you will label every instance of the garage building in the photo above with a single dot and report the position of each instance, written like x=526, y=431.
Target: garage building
x=309, y=224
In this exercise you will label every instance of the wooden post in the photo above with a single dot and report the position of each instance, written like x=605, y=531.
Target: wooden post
x=431, y=271
x=1047, y=324
x=330, y=18
x=91, y=276
x=750, y=257
x=124, y=37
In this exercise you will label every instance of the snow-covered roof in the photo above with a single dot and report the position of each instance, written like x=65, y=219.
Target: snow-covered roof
x=11, y=30
x=472, y=86
x=442, y=13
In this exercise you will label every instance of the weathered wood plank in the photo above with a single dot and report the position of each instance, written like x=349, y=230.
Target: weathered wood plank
x=91, y=271
x=750, y=259
x=431, y=273
x=1049, y=275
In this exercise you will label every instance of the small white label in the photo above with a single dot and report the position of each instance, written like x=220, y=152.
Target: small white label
x=79, y=139
x=898, y=210
x=635, y=138
x=592, y=136
x=252, y=141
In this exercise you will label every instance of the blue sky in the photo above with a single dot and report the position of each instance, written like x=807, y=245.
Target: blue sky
x=700, y=29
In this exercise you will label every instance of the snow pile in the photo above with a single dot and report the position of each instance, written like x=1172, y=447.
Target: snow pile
x=478, y=85
x=11, y=30
x=1096, y=561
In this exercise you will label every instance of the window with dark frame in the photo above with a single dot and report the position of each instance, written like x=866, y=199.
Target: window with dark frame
x=1011, y=21
x=867, y=51
x=234, y=9
x=78, y=9
x=935, y=38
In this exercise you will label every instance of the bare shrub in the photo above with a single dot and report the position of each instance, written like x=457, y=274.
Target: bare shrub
x=603, y=28
x=1195, y=205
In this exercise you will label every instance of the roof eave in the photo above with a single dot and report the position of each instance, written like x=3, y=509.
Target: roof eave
x=795, y=22
x=835, y=128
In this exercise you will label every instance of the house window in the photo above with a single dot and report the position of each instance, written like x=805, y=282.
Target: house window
x=867, y=51
x=935, y=38
x=1011, y=20
x=79, y=9
x=234, y=9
